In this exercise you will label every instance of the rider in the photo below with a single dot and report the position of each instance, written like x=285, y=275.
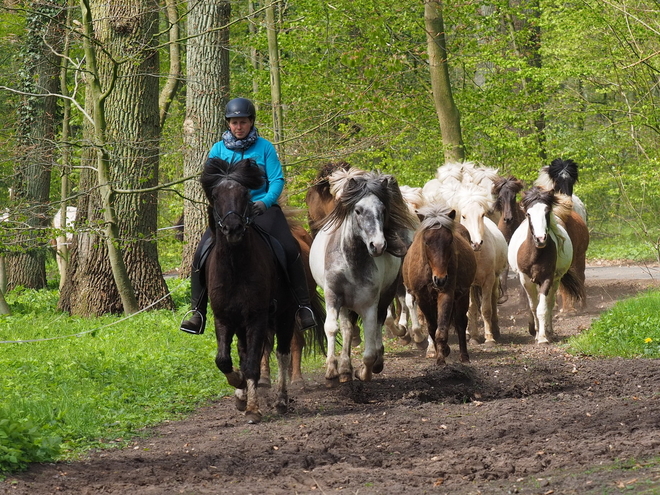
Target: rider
x=241, y=141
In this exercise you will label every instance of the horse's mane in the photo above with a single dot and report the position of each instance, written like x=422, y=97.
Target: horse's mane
x=563, y=206
x=538, y=194
x=560, y=175
x=246, y=172
x=413, y=196
x=349, y=187
x=436, y=216
x=326, y=170
x=481, y=176
x=511, y=184
x=471, y=194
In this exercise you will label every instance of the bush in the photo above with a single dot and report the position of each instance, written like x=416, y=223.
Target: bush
x=22, y=442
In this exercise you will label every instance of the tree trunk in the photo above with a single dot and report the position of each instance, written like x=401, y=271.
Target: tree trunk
x=448, y=115
x=206, y=96
x=36, y=154
x=127, y=70
x=275, y=90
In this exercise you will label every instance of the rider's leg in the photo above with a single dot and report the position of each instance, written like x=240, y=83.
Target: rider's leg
x=199, y=297
x=274, y=222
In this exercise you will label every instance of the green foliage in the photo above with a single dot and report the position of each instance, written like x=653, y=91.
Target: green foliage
x=22, y=442
x=84, y=383
x=630, y=329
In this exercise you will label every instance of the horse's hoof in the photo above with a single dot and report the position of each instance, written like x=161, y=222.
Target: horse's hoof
x=345, y=377
x=264, y=382
x=423, y=345
x=378, y=367
x=253, y=418
x=297, y=384
x=544, y=343
x=281, y=407
x=405, y=339
x=241, y=404
x=502, y=299
x=490, y=343
x=495, y=332
x=473, y=342
x=332, y=382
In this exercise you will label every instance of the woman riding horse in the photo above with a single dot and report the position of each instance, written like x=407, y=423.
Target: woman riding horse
x=242, y=141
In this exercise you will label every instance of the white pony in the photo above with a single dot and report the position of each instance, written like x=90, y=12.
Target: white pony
x=350, y=262
x=62, y=223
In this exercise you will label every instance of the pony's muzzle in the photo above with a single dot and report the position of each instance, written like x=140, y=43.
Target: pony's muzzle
x=439, y=282
x=540, y=241
x=377, y=248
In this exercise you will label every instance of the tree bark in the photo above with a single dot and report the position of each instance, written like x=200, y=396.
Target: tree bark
x=128, y=73
x=448, y=114
x=206, y=96
x=36, y=153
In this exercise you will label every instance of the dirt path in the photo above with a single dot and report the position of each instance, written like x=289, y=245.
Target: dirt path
x=518, y=419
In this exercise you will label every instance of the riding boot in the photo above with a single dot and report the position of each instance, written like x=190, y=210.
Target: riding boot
x=298, y=279
x=199, y=296
x=199, y=301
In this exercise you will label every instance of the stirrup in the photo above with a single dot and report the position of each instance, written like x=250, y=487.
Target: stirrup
x=189, y=325
x=306, y=317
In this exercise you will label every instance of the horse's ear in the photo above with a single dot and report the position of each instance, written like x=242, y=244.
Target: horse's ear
x=385, y=182
x=452, y=214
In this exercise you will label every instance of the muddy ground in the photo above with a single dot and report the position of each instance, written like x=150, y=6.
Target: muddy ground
x=518, y=419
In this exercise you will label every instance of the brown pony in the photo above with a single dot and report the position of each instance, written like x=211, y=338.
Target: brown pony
x=438, y=271
x=505, y=190
x=577, y=230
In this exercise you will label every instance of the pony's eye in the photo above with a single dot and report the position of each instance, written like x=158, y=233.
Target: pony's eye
x=358, y=211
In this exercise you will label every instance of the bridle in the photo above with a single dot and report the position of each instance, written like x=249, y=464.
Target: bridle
x=245, y=218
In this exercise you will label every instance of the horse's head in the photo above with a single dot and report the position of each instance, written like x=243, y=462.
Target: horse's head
x=474, y=204
x=227, y=188
x=506, y=190
x=437, y=231
x=538, y=203
x=369, y=218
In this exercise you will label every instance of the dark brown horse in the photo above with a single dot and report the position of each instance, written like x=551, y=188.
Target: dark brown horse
x=248, y=288
x=505, y=190
x=438, y=271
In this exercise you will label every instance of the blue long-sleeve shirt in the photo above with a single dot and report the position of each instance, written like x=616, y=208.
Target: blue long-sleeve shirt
x=263, y=152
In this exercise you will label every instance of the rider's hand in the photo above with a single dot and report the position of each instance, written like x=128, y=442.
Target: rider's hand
x=259, y=208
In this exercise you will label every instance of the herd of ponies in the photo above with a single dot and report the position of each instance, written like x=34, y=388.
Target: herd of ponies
x=417, y=261
x=464, y=230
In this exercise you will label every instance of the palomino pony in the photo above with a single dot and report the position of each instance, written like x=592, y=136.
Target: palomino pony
x=490, y=250
x=248, y=288
x=438, y=271
x=350, y=262
x=541, y=252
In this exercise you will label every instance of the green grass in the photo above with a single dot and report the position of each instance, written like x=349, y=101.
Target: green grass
x=96, y=382
x=625, y=246
x=630, y=329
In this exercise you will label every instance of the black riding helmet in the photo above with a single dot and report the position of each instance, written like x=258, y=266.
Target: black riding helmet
x=240, y=107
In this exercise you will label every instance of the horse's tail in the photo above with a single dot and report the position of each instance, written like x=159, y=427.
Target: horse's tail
x=574, y=286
